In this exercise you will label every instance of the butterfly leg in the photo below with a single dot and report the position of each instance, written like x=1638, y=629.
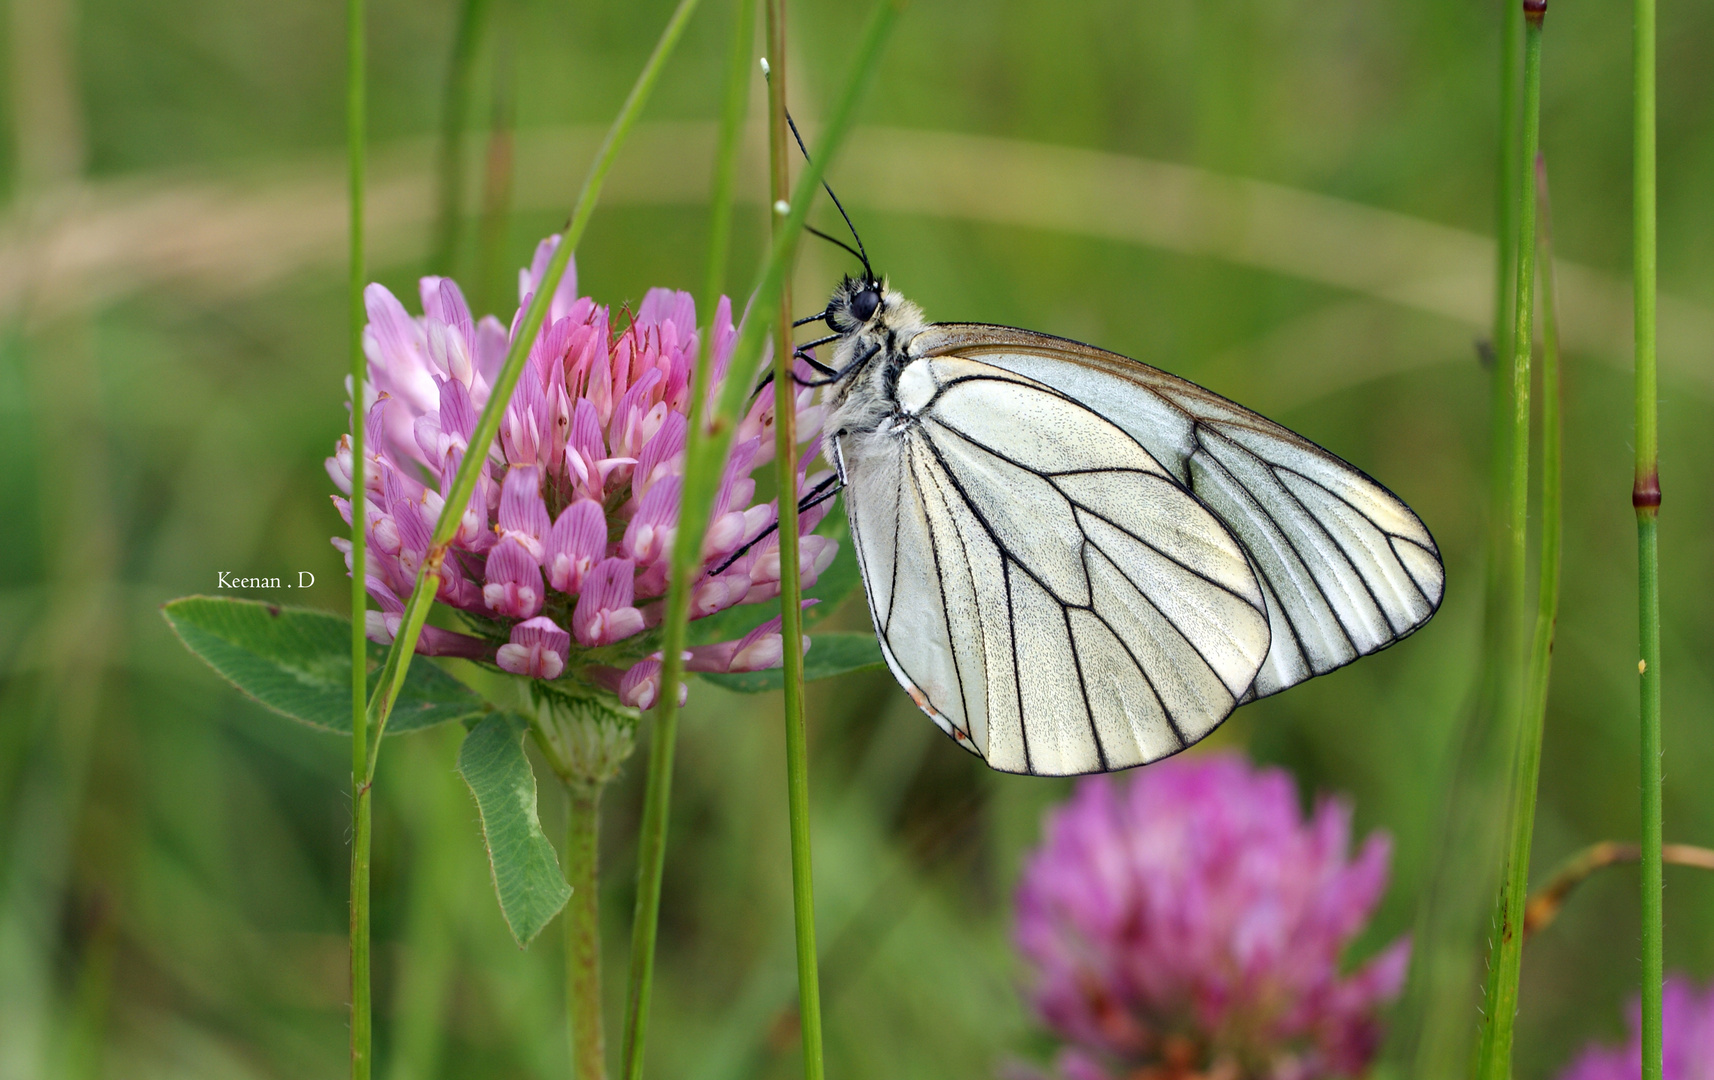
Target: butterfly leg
x=820, y=493
x=834, y=376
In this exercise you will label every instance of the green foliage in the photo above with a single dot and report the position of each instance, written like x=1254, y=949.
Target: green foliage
x=526, y=873
x=297, y=661
x=830, y=654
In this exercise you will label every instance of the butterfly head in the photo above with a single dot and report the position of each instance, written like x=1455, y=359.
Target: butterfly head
x=855, y=302
x=864, y=308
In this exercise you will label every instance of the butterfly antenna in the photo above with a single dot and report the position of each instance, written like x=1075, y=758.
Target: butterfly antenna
x=811, y=229
x=862, y=255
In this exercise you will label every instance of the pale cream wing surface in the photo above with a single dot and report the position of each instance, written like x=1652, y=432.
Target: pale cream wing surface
x=1345, y=566
x=1042, y=586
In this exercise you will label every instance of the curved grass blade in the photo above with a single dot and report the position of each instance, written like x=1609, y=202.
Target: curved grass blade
x=702, y=466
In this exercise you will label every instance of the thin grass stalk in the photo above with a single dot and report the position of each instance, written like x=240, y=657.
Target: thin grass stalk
x=791, y=589
x=1511, y=178
x=702, y=473
x=488, y=425
x=361, y=808
x=1645, y=498
x=583, y=931
x=1449, y=922
x=1552, y=454
x=1498, y=590
x=455, y=110
x=1505, y=964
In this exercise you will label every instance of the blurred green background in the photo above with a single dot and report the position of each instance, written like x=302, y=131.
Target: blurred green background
x=173, y=857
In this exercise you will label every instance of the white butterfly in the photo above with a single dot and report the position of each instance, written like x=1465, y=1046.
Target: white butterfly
x=1076, y=562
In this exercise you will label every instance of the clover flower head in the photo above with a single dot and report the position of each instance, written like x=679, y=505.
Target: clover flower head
x=1687, y=1040
x=1188, y=921
x=562, y=555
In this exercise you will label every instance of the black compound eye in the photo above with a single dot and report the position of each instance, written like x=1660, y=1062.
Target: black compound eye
x=863, y=305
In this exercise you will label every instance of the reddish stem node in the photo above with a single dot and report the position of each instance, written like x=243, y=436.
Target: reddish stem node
x=1645, y=493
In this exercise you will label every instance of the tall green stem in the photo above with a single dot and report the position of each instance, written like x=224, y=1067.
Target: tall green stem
x=791, y=614
x=1552, y=457
x=488, y=424
x=1645, y=497
x=355, y=111
x=1505, y=964
x=1436, y=1029
x=583, y=931
x=704, y=459
x=1512, y=173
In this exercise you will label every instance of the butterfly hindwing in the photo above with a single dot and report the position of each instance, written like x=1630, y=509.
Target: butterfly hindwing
x=1345, y=567
x=1040, y=582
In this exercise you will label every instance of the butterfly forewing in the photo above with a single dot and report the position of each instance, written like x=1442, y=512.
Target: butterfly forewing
x=1345, y=567
x=1041, y=583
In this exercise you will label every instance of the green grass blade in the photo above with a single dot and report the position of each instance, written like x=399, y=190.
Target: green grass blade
x=356, y=113
x=704, y=458
x=1500, y=1014
x=702, y=472
x=791, y=587
x=488, y=425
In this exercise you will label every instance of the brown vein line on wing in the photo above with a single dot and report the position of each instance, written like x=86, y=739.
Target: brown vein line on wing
x=1382, y=529
x=1285, y=609
x=1009, y=559
x=940, y=581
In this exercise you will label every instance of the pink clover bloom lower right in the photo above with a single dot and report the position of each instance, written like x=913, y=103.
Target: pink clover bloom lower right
x=1188, y=920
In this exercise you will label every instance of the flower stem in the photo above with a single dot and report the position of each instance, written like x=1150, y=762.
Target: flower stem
x=583, y=931
x=466, y=43
x=791, y=614
x=488, y=425
x=704, y=459
x=355, y=113
x=1645, y=498
x=1521, y=694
